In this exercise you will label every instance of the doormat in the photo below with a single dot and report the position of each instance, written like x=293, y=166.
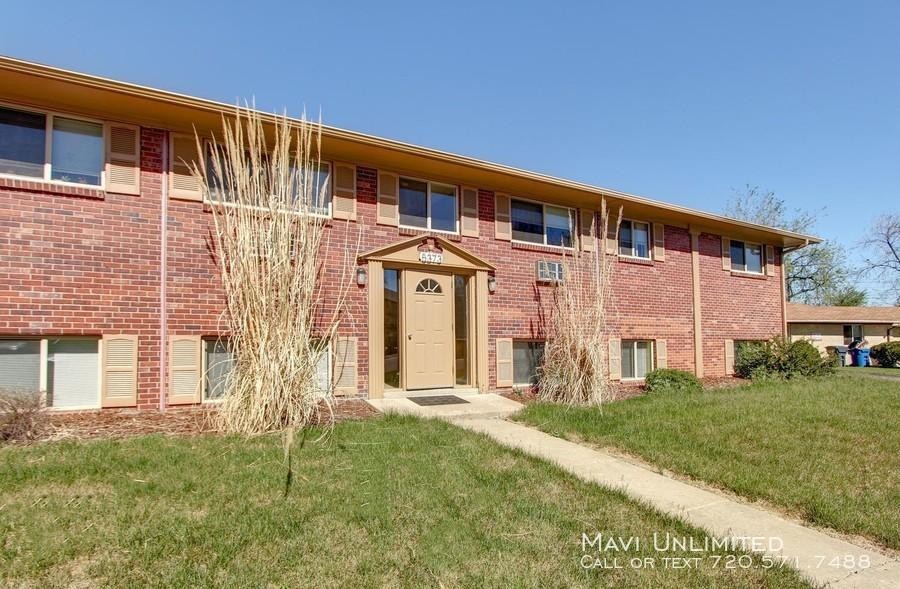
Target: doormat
x=437, y=400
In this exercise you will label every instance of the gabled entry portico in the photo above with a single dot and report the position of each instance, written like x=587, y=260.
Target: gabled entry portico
x=427, y=316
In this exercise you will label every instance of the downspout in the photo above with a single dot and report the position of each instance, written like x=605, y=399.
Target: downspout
x=163, y=271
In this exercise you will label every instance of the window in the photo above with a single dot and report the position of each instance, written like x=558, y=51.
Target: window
x=76, y=153
x=218, y=367
x=637, y=359
x=71, y=364
x=527, y=359
x=219, y=361
x=852, y=333
x=317, y=176
x=392, y=328
x=461, y=327
x=634, y=239
x=746, y=257
x=428, y=205
x=429, y=286
x=549, y=271
x=542, y=224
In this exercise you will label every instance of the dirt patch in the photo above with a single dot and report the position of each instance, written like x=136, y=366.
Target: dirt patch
x=187, y=421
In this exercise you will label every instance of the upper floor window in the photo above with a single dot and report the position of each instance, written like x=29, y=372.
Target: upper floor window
x=316, y=178
x=428, y=205
x=746, y=257
x=75, y=154
x=634, y=239
x=541, y=223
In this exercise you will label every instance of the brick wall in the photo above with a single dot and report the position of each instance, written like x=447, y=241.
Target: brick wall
x=81, y=261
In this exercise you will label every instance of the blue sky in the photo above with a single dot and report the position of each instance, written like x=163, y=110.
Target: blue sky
x=679, y=101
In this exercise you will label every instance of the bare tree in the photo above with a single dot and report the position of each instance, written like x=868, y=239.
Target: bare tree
x=882, y=246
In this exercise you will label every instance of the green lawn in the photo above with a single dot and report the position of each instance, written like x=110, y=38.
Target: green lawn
x=869, y=371
x=828, y=450
x=392, y=501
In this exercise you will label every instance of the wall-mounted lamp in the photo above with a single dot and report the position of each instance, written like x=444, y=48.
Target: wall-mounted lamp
x=492, y=284
x=362, y=277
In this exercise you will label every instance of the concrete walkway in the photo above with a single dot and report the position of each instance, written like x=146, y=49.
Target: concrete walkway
x=809, y=550
x=476, y=405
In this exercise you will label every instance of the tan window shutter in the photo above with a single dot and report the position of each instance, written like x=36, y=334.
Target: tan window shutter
x=123, y=158
x=615, y=358
x=387, y=211
x=770, y=260
x=729, y=357
x=612, y=237
x=182, y=155
x=345, y=366
x=120, y=354
x=185, y=369
x=344, y=201
x=659, y=242
x=502, y=226
x=504, y=351
x=726, y=254
x=588, y=223
x=469, y=217
x=662, y=354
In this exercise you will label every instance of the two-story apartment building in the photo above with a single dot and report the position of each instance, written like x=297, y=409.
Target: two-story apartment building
x=109, y=296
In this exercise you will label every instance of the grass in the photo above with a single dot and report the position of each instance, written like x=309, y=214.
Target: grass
x=826, y=450
x=394, y=501
x=869, y=371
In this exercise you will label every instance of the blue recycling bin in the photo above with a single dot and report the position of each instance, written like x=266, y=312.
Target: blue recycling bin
x=862, y=357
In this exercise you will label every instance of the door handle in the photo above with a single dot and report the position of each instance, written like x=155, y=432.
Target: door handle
x=409, y=336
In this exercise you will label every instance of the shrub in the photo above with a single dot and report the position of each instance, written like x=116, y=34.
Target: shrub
x=887, y=354
x=22, y=416
x=669, y=380
x=780, y=358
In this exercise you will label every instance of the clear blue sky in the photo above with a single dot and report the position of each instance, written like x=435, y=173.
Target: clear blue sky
x=680, y=101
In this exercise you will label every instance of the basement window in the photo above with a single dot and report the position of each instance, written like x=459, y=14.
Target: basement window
x=219, y=360
x=637, y=359
x=51, y=147
x=527, y=359
x=67, y=369
x=746, y=257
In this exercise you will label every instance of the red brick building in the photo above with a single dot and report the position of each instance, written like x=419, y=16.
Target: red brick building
x=109, y=297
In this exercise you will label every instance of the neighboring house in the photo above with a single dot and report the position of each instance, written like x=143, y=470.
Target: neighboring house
x=101, y=307
x=826, y=327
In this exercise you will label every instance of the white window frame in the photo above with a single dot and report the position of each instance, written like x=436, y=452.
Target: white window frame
x=428, y=205
x=204, y=367
x=544, y=206
x=208, y=146
x=762, y=257
x=558, y=276
x=853, y=329
x=44, y=368
x=649, y=255
x=48, y=147
x=651, y=349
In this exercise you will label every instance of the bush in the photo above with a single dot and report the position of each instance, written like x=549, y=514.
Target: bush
x=22, y=416
x=887, y=354
x=669, y=380
x=780, y=358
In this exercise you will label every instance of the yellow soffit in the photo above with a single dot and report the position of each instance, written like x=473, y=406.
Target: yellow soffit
x=406, y=251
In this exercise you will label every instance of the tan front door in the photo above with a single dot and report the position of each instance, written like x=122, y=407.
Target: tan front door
x=428, y=320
